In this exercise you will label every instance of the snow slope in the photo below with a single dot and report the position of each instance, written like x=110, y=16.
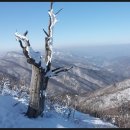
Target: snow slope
x=11, y=116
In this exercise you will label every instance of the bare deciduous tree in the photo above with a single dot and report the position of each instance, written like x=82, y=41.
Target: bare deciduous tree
x=41, y=69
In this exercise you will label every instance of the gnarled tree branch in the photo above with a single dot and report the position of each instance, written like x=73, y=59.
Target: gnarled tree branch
x=56, y=71
x=32, y=56
x=63, y=70
x=58, y=11
x=49, y=38
x=45, y=32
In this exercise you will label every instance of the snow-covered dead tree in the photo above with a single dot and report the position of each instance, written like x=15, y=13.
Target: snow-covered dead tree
x=41, y=68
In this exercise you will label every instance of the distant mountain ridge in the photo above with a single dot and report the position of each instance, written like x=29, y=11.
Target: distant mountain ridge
x=83, y=78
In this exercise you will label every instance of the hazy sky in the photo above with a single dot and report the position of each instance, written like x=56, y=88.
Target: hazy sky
x=80, y=23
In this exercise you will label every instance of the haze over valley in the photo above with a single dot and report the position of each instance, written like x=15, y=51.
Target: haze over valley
x=96, y=71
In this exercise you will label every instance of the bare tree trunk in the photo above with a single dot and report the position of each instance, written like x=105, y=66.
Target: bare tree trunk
x=37, y=98
x=38, y=86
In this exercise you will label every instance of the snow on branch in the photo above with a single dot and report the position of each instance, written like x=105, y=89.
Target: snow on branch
x=49, y=38
x=36, y=56
x=32, y=56
x=23, y=38
x=53, y=20
x=56, y=71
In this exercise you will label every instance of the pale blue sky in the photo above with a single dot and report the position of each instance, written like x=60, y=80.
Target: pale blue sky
x=80, y=23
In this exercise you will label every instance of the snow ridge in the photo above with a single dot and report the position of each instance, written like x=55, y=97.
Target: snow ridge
x=12, y=111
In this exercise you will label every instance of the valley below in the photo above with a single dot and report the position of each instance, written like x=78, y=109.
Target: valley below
x=97, y=85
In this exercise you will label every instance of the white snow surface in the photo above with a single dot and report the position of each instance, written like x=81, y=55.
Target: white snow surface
x=32, y=54
x=11, y=116
x=36, y=56
x=53, y=20
x=21, y=37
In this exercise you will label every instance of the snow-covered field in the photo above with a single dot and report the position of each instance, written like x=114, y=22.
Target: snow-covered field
x=11, y=116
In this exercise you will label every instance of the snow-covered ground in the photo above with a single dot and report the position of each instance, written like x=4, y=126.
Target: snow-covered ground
x=11, y=116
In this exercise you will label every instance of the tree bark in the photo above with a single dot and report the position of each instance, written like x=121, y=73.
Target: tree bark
x=38, y=86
